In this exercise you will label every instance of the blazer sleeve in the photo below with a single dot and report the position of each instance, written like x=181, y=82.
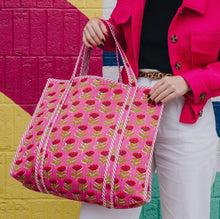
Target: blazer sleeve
x=205, y=82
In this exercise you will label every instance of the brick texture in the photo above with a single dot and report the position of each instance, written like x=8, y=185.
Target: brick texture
x=12, y=3
x=42, y=30
x=38, y=32
x=21, y=32
x=29, y=80
x=39, y=39
x=71, y=33
x=6, y=30
x=55, y=33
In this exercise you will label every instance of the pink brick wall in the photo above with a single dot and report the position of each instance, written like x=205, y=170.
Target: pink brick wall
x=39, y=39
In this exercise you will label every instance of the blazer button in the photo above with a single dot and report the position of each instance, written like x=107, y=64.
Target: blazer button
x=200, y=113
x=178, y=65
x=174, y=38
x=202, y=96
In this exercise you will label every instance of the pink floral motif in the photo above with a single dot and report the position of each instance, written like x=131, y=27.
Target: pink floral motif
x=103, y=90
x=73, y=154
x=58, y=155
x=93, y=167
x=149, y=143
x=83, y=80
x=137, y=103
x=129, y=127
x=51, y=110
x=90, y=102
x=137, y=155
x=147, y=91
x=47, y=169
x=94, y=115
x=82, y=181
x=57, y=141
x=74, y=84
x=78, y=115
x=18, y=162
x=118, y=91
x=30, y=158
x=76, y=92
x=30, y=146
x=50, y=85
x=68, y=181
x=52, y=101
x=89, y=153
x=155, y=117
x=40, y=122
x=77, y=167
x=106, y=103
x=70, y=141
x=122, y=152
x=61, y=169
x=51, y=94
x=141, y=170
x=29, y=137
x=99, y=180
x=104, y=153
x=87, y=90
x=64, y=117
x=75, y=103
x=66, y=128
x=125, y=168
x=54, y=129
x=98, y=128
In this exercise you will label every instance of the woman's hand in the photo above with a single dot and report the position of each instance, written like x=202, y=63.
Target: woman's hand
x=168, y=88
x=94, y=33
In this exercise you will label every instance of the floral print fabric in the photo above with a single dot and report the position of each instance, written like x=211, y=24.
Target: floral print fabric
x=98, y=146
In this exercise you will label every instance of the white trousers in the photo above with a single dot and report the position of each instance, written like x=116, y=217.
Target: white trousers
x=185, y=160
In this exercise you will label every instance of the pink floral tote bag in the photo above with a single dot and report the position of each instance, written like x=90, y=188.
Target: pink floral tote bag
x=91, y=139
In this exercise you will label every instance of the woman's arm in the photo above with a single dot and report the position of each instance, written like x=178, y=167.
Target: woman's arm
x=96, y=33
x=205, y=83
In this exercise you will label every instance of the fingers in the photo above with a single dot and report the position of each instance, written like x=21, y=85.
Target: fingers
x=104, y=29
x=101, y=31
x=89, y=35
x=169, y=97
x=86, y=42
x=164, y=95
x=94, y=33
x=156, y=86
x=157, y=89
x=162, y=91
x=96, y=36
x=168, y=88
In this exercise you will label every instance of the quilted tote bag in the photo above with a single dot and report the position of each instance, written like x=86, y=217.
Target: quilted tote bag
x=91, y=139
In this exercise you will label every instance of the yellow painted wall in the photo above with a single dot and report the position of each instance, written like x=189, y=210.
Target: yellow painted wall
x=91, y=8
x=15, y=200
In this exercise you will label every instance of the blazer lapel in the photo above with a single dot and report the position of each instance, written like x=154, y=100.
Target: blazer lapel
x=136, y=26
x=196, y=5
x=137, y=10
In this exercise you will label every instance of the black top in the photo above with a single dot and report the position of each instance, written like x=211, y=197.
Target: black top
x=157, y=17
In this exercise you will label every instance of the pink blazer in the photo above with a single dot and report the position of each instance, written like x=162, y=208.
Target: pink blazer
x=194, y=55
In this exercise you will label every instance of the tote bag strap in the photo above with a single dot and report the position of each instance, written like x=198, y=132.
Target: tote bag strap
x=86, y=57
x=85, y=67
